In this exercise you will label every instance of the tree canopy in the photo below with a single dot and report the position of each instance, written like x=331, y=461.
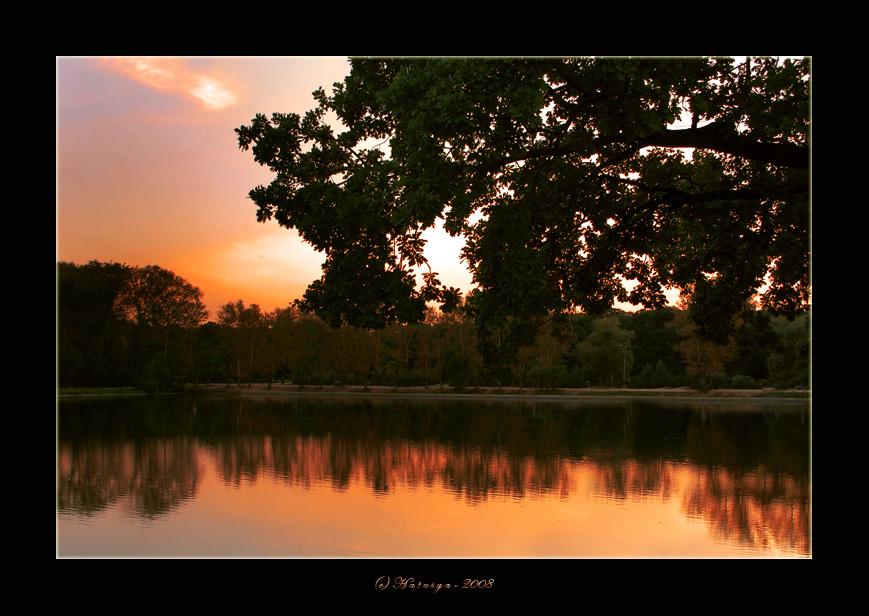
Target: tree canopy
x=575, y=182
x=115, y=322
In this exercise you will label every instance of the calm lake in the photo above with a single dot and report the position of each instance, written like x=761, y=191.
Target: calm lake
x=364, y=477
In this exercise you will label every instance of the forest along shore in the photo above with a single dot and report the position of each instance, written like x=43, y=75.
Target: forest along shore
x=278, y=389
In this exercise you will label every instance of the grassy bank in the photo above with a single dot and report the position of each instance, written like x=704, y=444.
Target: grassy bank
x=283, y=389
x=98, y=391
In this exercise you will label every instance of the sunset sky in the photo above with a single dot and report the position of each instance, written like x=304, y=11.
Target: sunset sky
x=149, y=172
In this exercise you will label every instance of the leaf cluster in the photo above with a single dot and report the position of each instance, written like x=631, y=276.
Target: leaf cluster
x=575, y=182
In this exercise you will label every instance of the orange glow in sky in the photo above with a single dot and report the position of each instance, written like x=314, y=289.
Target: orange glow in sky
x=149, y=172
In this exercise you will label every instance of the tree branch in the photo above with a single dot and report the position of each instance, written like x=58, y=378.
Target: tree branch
x=710, y=137
x=719, y=139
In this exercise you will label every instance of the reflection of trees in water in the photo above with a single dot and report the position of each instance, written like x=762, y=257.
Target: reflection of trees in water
x=386, y=446
x=157, y=475
x=91, y=477
x=167, y=473
x=384, y=466
x=765, y=510
x=762, y=508
x=623, y=478
x=242, y=459
x=753, y=490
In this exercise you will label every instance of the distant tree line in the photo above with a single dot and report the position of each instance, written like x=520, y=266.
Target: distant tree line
x=119, y=325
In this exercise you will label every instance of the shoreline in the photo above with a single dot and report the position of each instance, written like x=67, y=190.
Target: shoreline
x=434, y=392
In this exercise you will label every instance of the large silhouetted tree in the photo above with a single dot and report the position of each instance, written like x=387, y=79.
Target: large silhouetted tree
x=91, y=330
x=115, y=319
x=575, y=183
x=159, y=302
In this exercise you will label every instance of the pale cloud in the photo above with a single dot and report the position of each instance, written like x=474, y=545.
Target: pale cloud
x=212, y=93
x=174, y=75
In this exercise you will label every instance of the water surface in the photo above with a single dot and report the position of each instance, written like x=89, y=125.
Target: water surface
x=366, y=477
